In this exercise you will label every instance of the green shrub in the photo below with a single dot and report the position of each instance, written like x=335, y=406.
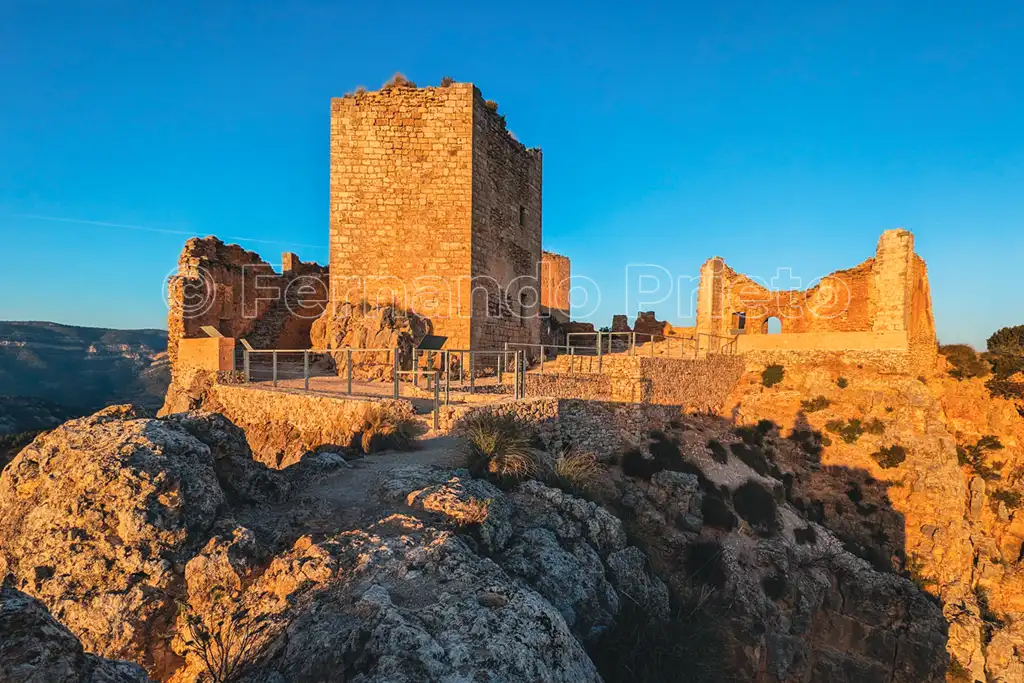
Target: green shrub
x=964, y=361
x=848, y=431
x=772, y=375
x=750, y=435
x=1007, y=340
x=765, y=427
x=813, y=405
x=842, y=382
x=888, y=457
x=972, y=456
x=756, y=504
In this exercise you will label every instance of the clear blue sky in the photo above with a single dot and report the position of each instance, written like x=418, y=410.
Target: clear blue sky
x=773, y=134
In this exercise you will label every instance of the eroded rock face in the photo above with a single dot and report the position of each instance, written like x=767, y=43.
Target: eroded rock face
x=95, y=515
x=383, y=327
x=803, y=610
x=34, y=648
x=928, y=514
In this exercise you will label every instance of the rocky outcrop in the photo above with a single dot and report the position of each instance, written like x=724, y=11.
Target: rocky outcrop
x=35, y=648
x=365, y=327
x=923, y=513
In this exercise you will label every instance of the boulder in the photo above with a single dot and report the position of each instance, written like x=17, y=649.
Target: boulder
x=34, y=648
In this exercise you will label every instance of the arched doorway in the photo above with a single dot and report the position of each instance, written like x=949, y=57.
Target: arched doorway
x=772, y=325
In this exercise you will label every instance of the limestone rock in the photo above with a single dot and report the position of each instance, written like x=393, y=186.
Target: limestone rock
x=95, y=515
x=383, y=327
x=34, y=648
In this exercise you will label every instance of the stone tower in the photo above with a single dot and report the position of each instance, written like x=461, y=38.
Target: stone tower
x=436, y=207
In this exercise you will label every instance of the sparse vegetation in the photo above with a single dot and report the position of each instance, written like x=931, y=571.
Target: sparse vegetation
x=958, y=673
x=874, y=426
x=472, y=512
x=399, y=81
x=813, y=405
x=1011, y=499
x=756, y=504
x=704, y=563
x=686, y=647
x=498, y=447
x=806, y=535
x=385, y=428
x=752, y=457
x=991, y=622
x=888, y=457
x=964, y=361
x=718, y=452
x=447, y=81
x=226, y=638
x=972, y=456
x=913, y=568
x=772, y=375
x=716, y=513
x=574, y=471
x=848, y=431
x=493, y=106
x=842, y=382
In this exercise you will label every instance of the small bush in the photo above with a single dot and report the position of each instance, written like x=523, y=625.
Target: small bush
x=385, y=428
x=399, y=81
x=806, y=536
x=964, y=361
x=774, y=586
x=842, y=382
x=493, y=106
x=874, y=426
x=750, y=435
x=447, y=81
x=1011, y=499
x=888, y=457
x=227, y=639
x=772, y=375
x=716, y=513
x=973, y=457
x=815, y=404
x=718, y=452
x=751, y=456
x=765, y=427
x=914, y=570
x=704, y=563
x=848, y=431
x=497, y=447
x=756, y=504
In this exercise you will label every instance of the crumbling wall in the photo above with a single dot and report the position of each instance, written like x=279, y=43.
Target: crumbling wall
x=886, y=295
x=240, y=295
x=556, y=274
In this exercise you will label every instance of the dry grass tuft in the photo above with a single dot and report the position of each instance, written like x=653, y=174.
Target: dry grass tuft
x=399, y=81
x=385, y=428
x=473, y=511
x=574, y=471
x=498, y=447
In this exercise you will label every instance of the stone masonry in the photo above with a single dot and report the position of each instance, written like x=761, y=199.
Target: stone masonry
x=436, y=209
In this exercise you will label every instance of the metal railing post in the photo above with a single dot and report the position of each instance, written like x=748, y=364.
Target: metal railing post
x=542, y=359
x=397, y=370
x=274, y=365
x=472, y=375
x=305, y=370
x=437, y=401
x=572, y=359
x=348, y=365
x=632, y=343
x=502, y=359
x=245, y=362
x=447, y=376
x=600, y=356
x=415, y=368
x=522, y=377
x=462, y=368
x=652, y=346
x=515, y=377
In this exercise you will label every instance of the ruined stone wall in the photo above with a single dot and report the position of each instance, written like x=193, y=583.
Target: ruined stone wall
x=506, y=234
x=401, y=202
x=235, y=291
x=556, y=272
x=886, y=295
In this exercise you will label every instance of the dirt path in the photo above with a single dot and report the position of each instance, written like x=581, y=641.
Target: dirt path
x=351, y=492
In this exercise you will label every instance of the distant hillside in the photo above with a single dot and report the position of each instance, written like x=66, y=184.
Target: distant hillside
x=80, y=369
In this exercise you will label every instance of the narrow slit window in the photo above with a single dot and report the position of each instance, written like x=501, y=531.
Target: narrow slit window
x=522, y=215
